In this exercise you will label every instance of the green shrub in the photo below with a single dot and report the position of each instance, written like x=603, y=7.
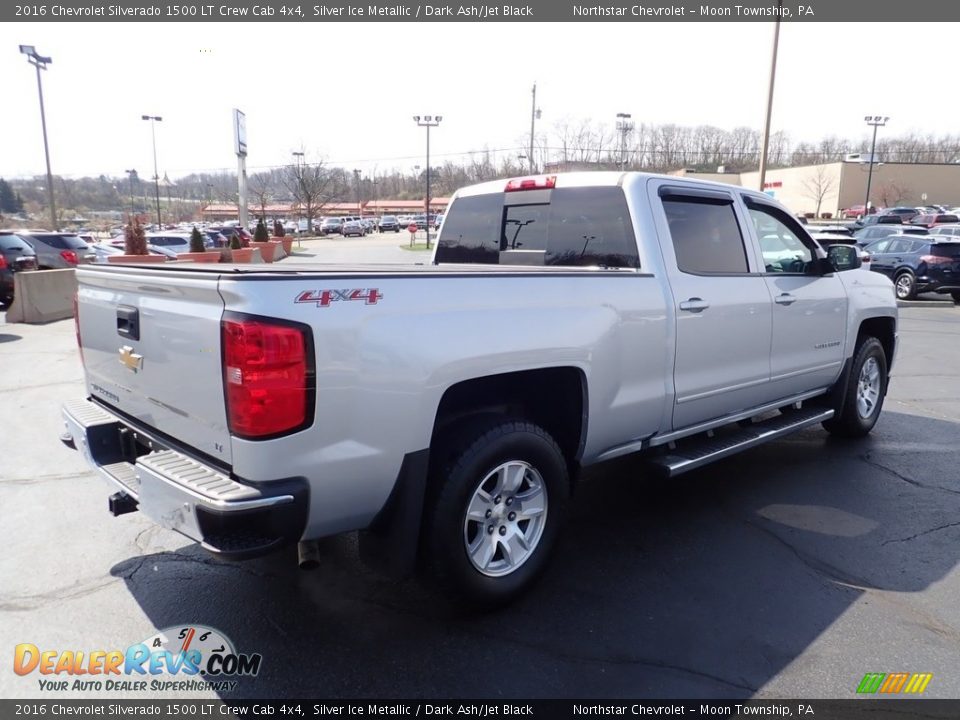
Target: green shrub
x=134, y=238
x=261, y=234
x=235, y=242
x=196, y=241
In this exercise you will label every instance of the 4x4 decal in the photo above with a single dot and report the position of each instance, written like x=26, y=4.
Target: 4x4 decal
x=323, y=298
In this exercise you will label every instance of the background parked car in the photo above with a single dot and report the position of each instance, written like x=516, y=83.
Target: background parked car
x=56, y=251
x=933, y=219
x=906, y=214
x=854, y=211
x=331, y=226
x=389, y=223
x=177, y=243
x=945, y=230
x=16, y=255
x=875, y=232
x=892, y=219
x=353, y=227
x=917, y=265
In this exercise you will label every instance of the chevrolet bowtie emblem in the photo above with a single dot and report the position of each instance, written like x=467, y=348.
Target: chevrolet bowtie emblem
x=130, y=359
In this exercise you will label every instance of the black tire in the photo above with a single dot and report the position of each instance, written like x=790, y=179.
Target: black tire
x=851, y=422
x=906, y=286
x=956, y=297
x=466, y=462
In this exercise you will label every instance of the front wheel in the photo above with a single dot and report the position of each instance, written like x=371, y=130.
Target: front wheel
x=866, y=389
x=497, y=504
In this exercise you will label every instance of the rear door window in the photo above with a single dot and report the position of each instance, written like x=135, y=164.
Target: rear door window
x=706, y=235
x=567, y=227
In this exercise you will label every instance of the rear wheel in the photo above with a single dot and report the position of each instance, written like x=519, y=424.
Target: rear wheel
x=494, y=510
x=906, y=286
x=866, y=389
x=956, y=297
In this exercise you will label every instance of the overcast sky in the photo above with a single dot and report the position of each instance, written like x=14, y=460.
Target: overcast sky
x=346, y=92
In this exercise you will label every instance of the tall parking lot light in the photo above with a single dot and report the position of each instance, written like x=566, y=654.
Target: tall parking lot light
x=130, y=174
x=428, y=121
x=356, y=184
x=876, y=121
x=765, y=143
x=154, y=119
x=40, y=63
x=624, y=126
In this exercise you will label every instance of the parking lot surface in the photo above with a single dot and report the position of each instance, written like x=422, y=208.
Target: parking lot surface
x=787, y=571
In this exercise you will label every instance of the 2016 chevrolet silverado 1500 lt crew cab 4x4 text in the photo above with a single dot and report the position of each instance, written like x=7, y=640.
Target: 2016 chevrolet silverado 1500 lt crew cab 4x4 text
x=446, y=410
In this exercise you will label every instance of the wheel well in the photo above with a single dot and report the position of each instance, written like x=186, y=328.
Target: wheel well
x=553, y=398
x=884, y=330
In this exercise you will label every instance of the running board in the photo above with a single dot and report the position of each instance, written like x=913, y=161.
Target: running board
x=697, y=453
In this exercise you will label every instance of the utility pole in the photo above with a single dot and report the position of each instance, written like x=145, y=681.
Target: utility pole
x=154, y=119
x=534, y=116
x=764, y=148
x=40, y=63
x=876, y=121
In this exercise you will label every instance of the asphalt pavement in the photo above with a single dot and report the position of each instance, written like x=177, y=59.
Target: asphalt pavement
x=787, y=571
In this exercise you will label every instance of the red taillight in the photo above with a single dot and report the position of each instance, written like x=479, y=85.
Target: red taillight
x=539, y=182
x=3, y=263
x=936, y=260
x=865, y=259
x=70, y=256
x=266, y=373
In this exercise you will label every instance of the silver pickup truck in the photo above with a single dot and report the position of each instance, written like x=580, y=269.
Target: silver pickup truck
x=445, y=411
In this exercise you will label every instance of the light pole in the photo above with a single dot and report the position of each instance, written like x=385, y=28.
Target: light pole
x=428, y=121
x=876, y=121
x=534, y=116
x=356, y=184
x=298, y=161
x=154, y=119
x=765, y=146
x=40, y=63
x=130, y=174
x=624, y=126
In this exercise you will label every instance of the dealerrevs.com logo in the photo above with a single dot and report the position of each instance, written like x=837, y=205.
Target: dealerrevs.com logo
x=170, y=660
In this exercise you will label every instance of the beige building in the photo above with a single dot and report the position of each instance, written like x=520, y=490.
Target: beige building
x=832, y=187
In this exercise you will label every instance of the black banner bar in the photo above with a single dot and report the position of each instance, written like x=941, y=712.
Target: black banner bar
x=853, y=11
x=207, y=709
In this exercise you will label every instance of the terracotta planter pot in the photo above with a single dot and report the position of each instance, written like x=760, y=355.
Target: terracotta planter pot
x=136, y=259
x=287, y=243
x=266, y=250
x=243, y=255
x=210, y=256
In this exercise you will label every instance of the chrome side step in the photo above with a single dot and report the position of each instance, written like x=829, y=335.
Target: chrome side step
x=697, y=453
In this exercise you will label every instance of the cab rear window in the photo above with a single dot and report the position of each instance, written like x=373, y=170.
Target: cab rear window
x=567, y=227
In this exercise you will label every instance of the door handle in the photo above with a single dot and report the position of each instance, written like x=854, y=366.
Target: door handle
x=785, y=299
x=694, y=305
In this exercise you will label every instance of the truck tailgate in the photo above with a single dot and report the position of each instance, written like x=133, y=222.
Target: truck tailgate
x=151, y=348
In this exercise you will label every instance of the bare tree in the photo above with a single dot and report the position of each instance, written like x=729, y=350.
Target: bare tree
x=892, y=193
x=818, y=185
x=261, y=185
x=313, y=185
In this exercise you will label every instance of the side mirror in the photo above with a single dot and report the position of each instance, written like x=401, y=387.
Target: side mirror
x=843, y=257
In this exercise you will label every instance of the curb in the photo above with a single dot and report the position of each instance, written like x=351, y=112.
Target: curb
x=925, y=303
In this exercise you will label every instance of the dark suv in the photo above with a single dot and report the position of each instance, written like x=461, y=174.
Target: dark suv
x=917, y=264
x=15, y=255
x=389, y=223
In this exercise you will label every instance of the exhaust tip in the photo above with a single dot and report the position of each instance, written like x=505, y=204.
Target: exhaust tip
x=308, y=555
